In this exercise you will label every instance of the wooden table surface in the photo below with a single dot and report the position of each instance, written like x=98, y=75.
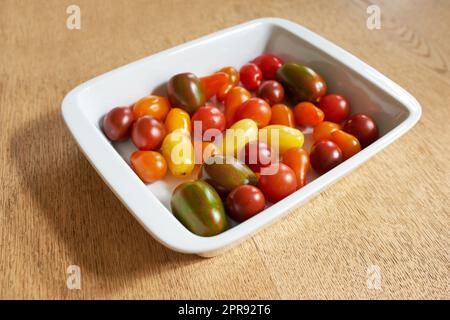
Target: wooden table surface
x=393, y=212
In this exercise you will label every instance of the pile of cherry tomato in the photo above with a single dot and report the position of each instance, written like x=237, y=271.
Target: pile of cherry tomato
x=237, y=180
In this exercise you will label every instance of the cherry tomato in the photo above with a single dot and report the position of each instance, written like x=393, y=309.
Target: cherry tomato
x=154, y=106
x=251, y=76
x=282, y=114
x=269, y=65
x=178, y=119
x=255, y=109
x=210, y=118
x=325, y=155
x=272, y=91
x=148, y=133
x=212, y=84
x=348, y=144
x=277, y=181
x=233, y=81
x=307, y=114
x=324, y=130
x=148, y=165
x=298, y=160
x=244, y=202
x=256, y=154
x=233, y=101
x=363, y=128
x=335, y=107
x=203, y=150
x=117, y=123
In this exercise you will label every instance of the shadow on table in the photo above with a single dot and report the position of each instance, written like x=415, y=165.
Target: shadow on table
x=98, y=231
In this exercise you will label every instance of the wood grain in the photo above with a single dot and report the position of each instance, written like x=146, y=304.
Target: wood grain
x=55, y=211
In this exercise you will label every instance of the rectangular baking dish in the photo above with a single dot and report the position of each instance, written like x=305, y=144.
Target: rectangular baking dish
x=368, y=91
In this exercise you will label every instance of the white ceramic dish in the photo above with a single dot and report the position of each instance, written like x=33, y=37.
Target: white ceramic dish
x=394, y=110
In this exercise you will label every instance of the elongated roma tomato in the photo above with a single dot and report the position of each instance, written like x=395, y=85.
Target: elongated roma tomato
x=178, y=151
x=178, y=119
x=281, y=138
x=148, y=165
x=298, y=160
x=212, y=84
x=154, y=106
x=307, y=115
x=117, y=123
x=185, y=92
x=348, y=144
x=324, y=130
x=233, y=81
x=233, y=101
x=282, y=114
x=256, y=109
x=238, y=135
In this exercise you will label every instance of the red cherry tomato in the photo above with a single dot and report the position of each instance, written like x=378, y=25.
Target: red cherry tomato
x=335, y=107
x=325, y=155
x=269, y=65
x=210, y=118
x=148, y=133
x=244, y=202
x=251, y=76
x=298, y=160
x=255, y=109
x=282, y=114
x=256, y=154
x=148, y=165
x=272, y=91
x=117, y=123
x=363, y=128
x=307, y=114
x=277, y=181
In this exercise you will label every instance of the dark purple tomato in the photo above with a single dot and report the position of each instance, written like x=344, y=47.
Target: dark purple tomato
x=148, y=133
x=272, y=91
x=251, y=76
x=325, y=155
x=117, y=123
x=335, y=107
x=244, y=202
x=256, y=154
x=363, y=128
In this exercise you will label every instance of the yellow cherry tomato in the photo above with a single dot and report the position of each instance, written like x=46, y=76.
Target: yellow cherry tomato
x=178, y=151
x=178, y=119
x=238, y=135
x=281, y=138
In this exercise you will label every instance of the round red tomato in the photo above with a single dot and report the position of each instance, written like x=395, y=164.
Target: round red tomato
x=271, y=91
x=269, y=65
x=325, y=155
x=117, y=123
x=256, y=109
x=244, y=202
x=210, y=118
x=277, y=181
x=256, y=154
x=335, y=107
x=148, y=133
x=363, y=128
x=148, y=165
x=251, y=76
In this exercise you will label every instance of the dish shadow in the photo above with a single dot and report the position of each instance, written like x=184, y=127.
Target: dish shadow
x=102, y=237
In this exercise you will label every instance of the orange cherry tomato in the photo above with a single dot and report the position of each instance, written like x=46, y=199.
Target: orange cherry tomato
x=178, y=119
x=203, y=150
x=233, y=101
x=307, y=114
x=233, y=81
x=298, y=160
x=282, y=114
x=148, y=165
x=256, y=109
x=348, y=144
x=324, y=130
x=212, y=84
x=154, y=106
